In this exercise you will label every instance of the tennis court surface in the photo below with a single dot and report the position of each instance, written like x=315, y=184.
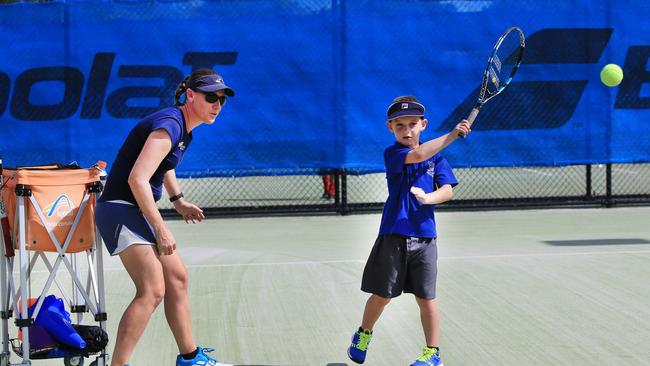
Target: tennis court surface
x=536, y=287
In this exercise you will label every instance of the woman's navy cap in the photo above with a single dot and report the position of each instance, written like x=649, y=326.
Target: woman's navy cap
x=405, y=109
x=210, y=84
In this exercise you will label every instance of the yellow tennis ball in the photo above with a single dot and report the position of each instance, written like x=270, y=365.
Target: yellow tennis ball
x=611, y=75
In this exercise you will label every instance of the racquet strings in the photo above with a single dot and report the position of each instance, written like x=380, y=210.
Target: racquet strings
x=503, y=63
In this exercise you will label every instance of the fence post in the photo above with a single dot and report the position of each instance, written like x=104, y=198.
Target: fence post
x=589, y=192
x=343, y=209
x=608, y=185
x=337, y=190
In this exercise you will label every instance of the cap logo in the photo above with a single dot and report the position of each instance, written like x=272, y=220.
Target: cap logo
x=405, y=108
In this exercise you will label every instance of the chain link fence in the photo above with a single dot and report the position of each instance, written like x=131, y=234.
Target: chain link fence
x=603, y=185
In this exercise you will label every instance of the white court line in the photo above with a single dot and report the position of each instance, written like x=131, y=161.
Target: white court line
x=460, y=257
x=496, y=256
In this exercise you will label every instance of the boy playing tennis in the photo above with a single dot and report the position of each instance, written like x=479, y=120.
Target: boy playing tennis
x=404, y=256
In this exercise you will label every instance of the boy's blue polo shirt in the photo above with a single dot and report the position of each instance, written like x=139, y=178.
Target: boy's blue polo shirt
x=403, y=213
x=169, y=119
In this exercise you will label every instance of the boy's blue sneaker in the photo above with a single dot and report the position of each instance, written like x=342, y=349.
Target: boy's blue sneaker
x=430, y=357
x=359, y=347
x=201, y=359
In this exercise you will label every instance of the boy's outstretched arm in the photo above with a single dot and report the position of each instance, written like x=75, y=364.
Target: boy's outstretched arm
x=442, y=194
x=432, y=147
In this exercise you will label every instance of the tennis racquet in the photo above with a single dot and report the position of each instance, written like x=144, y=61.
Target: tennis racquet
x=501, y=67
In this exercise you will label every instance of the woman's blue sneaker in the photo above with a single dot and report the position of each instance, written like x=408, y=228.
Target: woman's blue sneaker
x=430, y=357
x=359, y=347
x=201, y=359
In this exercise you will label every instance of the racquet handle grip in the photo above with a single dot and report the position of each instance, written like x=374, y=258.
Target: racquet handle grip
x=471, y=118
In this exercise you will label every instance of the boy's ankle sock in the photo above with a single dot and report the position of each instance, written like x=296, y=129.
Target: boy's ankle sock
x=367, y=331
x=191, y=355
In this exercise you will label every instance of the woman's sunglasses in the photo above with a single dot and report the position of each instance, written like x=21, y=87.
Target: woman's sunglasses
x=214, y=97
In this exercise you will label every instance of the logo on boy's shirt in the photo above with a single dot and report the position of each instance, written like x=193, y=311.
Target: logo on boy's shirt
x=181, y=145
x=432, y=169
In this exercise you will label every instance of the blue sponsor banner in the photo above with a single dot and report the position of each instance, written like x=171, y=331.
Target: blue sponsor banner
x=314, y=79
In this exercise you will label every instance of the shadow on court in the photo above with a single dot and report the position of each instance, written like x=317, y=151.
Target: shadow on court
x=587, y=242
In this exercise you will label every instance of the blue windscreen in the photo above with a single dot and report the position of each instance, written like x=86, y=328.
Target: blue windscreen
x=314, y=78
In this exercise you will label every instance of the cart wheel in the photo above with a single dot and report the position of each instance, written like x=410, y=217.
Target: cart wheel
x=73, y=361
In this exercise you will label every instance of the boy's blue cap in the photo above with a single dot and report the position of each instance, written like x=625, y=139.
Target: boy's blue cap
x=210, y=84
x=405, y=109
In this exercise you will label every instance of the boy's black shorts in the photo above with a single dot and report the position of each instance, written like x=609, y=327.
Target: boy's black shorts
x=402, y=264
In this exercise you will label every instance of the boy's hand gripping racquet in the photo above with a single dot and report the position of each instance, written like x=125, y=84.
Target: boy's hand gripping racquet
x=501, y=67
